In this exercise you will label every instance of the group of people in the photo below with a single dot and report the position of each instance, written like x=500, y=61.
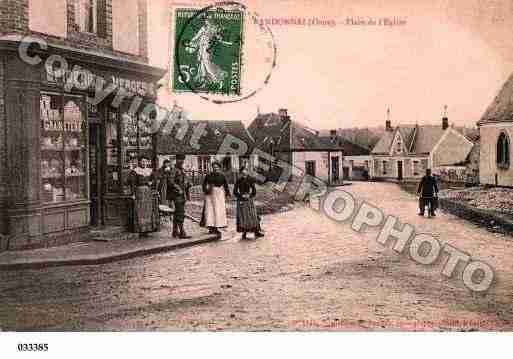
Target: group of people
x=172, y=187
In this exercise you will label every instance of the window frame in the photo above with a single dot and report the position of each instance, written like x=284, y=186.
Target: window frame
x=78, y=16
x=63, y=150
x=502, y=151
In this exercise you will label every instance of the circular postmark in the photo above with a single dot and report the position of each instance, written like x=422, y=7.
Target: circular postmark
x=223, y=52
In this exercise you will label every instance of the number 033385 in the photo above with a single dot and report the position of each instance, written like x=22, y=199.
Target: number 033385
x=24, y=347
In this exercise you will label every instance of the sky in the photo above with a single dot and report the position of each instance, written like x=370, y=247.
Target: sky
x=448, y=52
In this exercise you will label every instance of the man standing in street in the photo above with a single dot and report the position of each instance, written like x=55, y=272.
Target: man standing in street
x=163, y=178
x=178, y=193
x=428, y=190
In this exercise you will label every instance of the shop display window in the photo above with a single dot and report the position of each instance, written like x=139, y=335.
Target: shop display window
x=112, y=149
x=63, y=148
x=128, y=136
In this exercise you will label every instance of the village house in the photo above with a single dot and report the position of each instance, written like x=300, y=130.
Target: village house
x=200, y=153
x=405, y=152
x=465, y=173
x=289, y=141
x=496, y=131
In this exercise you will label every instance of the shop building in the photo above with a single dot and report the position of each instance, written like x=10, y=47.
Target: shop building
x=74, y=81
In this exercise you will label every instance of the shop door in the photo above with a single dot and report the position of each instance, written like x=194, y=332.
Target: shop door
x=95, y=173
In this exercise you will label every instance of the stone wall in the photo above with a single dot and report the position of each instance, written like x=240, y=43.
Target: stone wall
x=484, y=218
x=489, y=173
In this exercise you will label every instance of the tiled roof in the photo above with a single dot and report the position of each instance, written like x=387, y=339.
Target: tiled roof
x=271, y=128
x=209, y=143
x=420, y=139
x=501, y=109
x=384, y=143
x=426, y=138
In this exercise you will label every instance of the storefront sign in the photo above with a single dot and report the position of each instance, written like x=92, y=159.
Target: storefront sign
x=83, y=79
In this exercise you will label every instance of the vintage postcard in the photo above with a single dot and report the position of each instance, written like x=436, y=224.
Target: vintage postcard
x=250, y=165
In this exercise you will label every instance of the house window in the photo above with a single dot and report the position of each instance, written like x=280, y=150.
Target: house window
x=416, y=168
x=310, y=168
x=227, y=163
x=91, y=16
x=203, y=163
x=86, y=15
x=503, y=151
x=399, y=146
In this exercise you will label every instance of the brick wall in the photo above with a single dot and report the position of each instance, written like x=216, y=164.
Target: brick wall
x=143, y=29
x=14, y=18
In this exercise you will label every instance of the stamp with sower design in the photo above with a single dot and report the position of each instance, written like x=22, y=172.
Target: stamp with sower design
x=208, y=51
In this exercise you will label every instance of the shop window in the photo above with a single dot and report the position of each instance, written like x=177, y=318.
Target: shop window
x=112, y=150
x=424, y=165
x=503, y=151
x=63, y=148
x=137, y=142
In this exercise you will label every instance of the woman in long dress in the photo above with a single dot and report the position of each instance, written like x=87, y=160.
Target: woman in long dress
x=247, y=216
x=144, y=215
x=216, y=189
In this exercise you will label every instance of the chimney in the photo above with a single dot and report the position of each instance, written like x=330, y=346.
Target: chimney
x=445, y=119
x=388, y=123
x=333, y=135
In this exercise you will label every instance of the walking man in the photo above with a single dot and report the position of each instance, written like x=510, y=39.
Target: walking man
x=178, y=193
x=427, y=190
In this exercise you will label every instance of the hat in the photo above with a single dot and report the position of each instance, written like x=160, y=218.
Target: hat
x=180, y=157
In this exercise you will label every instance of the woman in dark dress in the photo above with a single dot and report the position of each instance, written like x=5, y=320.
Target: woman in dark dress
x=247, y=217
x=144, y=214
x=216, y=189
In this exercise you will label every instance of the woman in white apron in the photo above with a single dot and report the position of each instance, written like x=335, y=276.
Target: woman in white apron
x=216, y=190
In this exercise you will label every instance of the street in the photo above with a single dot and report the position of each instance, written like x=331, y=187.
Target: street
x=308, y=273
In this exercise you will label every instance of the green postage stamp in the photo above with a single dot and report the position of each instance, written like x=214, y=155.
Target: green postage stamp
x=208, y=48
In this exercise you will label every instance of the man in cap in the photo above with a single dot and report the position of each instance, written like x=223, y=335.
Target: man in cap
x=178, y=193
